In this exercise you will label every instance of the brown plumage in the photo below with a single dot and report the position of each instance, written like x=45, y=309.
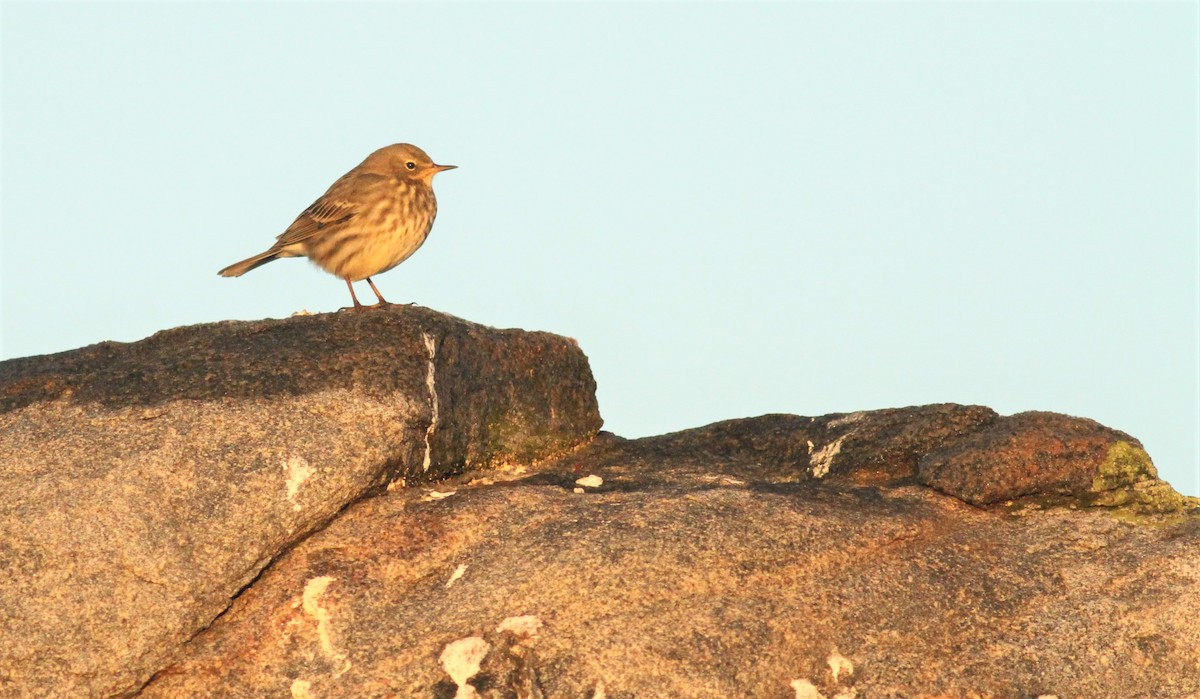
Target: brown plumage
x=372, y=219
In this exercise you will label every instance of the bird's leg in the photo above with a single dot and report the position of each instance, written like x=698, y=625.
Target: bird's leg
x=382, y=301
x=357, y=305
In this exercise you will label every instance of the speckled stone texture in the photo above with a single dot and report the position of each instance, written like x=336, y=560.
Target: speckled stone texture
x=143, y=485
x=399, y=503
x=734, y=560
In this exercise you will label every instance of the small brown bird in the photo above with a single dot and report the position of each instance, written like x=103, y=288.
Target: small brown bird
x=372, y=219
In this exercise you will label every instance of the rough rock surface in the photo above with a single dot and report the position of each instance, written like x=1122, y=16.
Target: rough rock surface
x=143, y=485
x=750, y=558
x=934, y=551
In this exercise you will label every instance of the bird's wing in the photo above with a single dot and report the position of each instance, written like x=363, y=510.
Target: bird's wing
x=324, y=212
x=335, y=207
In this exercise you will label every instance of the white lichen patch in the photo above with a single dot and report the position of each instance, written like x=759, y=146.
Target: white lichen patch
x=431, y=388
x=847, y=419
x=314, y=590
x=598, y=692
x=526, y=626
x=301, y=689
x=460, y=659
x=458, y=573
x=822, y=459
x=720, y=479
x=839, y=665
x=296, y=470
x=577, y=491
x=438, y=495
x=806, y=690
x=592, y=481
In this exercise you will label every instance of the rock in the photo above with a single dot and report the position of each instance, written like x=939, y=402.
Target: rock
x=876, y=446
x=719, y=562
x=218, y=511
x=143, y=485
x=1047, y=455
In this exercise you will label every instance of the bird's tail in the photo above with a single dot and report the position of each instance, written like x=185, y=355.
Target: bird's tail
x=237, y=269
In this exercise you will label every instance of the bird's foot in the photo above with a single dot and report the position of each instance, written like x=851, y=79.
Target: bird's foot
x=382, y=304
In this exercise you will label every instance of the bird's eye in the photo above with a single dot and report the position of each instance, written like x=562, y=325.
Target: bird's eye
x=410, y=165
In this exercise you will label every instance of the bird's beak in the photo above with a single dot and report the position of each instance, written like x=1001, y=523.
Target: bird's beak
x=438, y=168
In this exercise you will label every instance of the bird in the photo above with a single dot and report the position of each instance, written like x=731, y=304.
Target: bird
x=371, y=219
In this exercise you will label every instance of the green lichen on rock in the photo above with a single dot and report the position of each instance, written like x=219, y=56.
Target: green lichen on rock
x=512, y=437
x=509, y=439
x=1124, y=465
x=1149, y=497
x=1126, y=483
x=1127, y=480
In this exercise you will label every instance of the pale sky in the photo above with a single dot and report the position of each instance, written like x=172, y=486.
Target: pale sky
x=736, y=209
